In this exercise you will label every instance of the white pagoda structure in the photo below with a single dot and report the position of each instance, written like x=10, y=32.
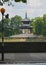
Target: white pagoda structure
x=26, y=28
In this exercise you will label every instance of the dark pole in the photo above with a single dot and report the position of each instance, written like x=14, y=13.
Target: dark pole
x=2, y=36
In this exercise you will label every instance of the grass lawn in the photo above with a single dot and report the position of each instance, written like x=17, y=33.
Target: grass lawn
x=13, y=40
x=23, y=40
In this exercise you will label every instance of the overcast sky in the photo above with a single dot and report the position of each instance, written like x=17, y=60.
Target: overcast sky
x=33, y=8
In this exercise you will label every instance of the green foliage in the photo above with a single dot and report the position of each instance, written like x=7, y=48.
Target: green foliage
x=0, y=34
x=32, y=23
x=18, y=31
x=6, y=0
x=44, y=18
x=1, y=3
x=37, y=24
x=44, y=26
x=0, y=26
x=7, y=21
x=10, y=2
x=24, y=1
x=17, y=0
x=15, y=22
x=7, y=30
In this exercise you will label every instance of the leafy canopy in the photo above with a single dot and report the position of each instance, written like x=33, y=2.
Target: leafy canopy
x=10, y=1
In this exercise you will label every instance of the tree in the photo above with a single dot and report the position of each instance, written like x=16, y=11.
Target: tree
x=10, y=1
x=7, y=30
x=15, y=23
x=0, y=26
x=37, y=24
x=7, y=22
x=44, y=27
x=32, y=23
x=0, y=29
x=6, y=27
x=24, y=1
x=11, y=27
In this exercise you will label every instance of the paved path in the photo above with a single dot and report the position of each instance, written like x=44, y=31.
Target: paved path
x=23, y=35
x=25, y=57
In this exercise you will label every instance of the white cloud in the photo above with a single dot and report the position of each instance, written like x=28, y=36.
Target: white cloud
x=34, y=3
x=18, y=9
x=34, y=8
x=37, y=4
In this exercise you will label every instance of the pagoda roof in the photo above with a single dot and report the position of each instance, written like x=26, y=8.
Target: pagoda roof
x=25, y=20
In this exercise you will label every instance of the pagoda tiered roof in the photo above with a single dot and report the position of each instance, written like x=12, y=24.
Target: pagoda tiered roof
x=25, y=21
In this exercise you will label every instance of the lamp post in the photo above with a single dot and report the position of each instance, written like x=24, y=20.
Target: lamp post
x=2, y=12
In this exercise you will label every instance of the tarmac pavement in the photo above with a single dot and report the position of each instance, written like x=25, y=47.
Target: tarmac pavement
x=25, y=57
